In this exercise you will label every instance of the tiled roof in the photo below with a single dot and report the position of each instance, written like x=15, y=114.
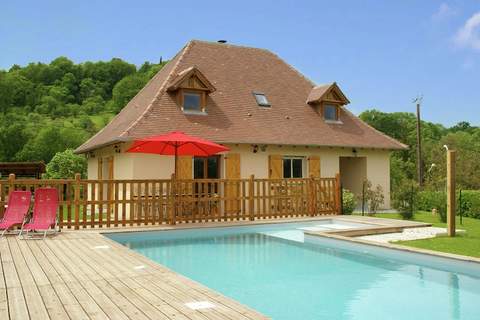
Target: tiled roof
x=233, y=115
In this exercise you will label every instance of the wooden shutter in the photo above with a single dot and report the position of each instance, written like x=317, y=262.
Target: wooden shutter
x=275, y=166
x=184, y=167
x=314, y=166
x=100, y=169
x=232, y=166
x=232, y=187
x=110, y=167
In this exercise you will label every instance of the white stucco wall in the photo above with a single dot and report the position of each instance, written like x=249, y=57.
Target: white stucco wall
x=147, y=166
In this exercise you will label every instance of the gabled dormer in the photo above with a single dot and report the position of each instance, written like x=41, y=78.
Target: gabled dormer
x=328, y=100
x=191, y=88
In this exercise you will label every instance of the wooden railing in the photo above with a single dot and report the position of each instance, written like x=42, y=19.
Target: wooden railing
x=114, y=203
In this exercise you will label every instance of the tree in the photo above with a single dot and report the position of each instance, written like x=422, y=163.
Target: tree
x=49, y=141
x=126, y=89
x=65, y=164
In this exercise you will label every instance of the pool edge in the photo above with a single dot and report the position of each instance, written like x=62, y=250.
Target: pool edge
x=397, y=247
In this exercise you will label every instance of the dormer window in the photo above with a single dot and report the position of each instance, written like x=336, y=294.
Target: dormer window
x=330, y=112
x=328, y=100
x=191, y=88
x=262, y=100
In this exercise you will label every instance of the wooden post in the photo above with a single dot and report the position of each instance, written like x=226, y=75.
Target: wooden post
x=251, y=199
x=311, y=199
x=451, y=192
x=11, y=182
x=338, y=194
x=173, y=199
x=76, y=200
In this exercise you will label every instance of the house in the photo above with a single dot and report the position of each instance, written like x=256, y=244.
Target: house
x=276, y=122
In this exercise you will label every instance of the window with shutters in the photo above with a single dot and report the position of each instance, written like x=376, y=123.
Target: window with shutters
x=206, y=167
x=293, y=167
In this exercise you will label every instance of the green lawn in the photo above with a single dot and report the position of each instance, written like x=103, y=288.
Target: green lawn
x=465, y=244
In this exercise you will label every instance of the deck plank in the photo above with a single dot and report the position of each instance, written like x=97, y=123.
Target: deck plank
x=33, y=298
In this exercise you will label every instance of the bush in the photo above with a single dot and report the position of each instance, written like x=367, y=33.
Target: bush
x=349, y=203
x=65, y=164
x=428, y=200
x=374, y=198
x=470, y=203
x=405, y=199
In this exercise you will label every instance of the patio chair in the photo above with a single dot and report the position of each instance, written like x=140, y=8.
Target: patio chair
x=45, y=209
x=17, y=210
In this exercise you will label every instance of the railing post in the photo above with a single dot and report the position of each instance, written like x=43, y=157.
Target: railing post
x=251, y=197
x=338, y=197
x=173, y=199
x=11, y=182
x=76, y=200
x=311, y=196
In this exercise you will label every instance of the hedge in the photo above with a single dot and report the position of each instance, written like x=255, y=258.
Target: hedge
x=470, y=204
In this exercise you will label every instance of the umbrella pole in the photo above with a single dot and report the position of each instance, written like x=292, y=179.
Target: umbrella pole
x=174, y=187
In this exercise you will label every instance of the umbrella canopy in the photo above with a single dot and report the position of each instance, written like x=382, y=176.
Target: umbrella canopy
x=178, y=144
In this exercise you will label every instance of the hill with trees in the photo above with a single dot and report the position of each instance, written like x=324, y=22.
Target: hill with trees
x=47, y=108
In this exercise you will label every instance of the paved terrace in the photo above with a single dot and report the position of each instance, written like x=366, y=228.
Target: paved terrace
x=83, y=275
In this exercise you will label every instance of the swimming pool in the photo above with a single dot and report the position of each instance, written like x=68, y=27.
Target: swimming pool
x=285, y=275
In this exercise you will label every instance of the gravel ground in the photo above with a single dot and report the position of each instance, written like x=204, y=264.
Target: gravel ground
x=407, y=234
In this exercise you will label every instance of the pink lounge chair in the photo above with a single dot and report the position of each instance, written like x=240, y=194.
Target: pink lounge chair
x=45, y=209
x=17, y=210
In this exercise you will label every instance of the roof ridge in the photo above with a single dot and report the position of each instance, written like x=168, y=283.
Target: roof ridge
x=324, y=85
x=228, y=45
x=161, y=89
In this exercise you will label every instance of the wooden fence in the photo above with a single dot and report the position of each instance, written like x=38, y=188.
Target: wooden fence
x=114, y=203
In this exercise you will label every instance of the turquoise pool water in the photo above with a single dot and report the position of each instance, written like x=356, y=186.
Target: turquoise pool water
x=279, y=272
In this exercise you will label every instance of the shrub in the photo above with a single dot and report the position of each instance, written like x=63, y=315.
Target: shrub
x=428, y=200
x=405, y=199
x=65, y=164
x=349, y=202
x=470, y=204
x=374, y=198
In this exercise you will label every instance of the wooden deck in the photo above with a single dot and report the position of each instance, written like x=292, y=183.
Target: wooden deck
x=83, y=275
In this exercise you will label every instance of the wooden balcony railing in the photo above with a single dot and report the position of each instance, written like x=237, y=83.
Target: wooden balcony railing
x=114, y=203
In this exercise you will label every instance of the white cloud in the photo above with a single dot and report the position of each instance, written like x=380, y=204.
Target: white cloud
x=468, y=36
x=443, y=12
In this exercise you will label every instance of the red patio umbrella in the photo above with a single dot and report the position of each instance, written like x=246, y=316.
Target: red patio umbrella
x=176, y=144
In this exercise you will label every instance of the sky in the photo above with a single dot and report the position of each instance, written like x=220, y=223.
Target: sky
x=383, y=54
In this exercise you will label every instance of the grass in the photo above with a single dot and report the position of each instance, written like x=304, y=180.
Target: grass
x=467, y=244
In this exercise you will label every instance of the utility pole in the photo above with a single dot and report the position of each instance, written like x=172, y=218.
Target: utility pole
x=418, y=101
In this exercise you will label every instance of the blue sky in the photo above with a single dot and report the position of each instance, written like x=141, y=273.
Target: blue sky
x=382, y=53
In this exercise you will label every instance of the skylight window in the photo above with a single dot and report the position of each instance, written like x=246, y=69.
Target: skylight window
x=261, y=99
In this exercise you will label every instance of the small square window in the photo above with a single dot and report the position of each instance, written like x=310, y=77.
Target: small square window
x=261, y=99
x=330, y=112
x=293, y=167
x=192, y=101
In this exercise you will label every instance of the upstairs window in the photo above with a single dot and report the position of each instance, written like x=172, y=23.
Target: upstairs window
x=293, y=167
x=262, y=100
x=192, y=101
x=330, y=112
